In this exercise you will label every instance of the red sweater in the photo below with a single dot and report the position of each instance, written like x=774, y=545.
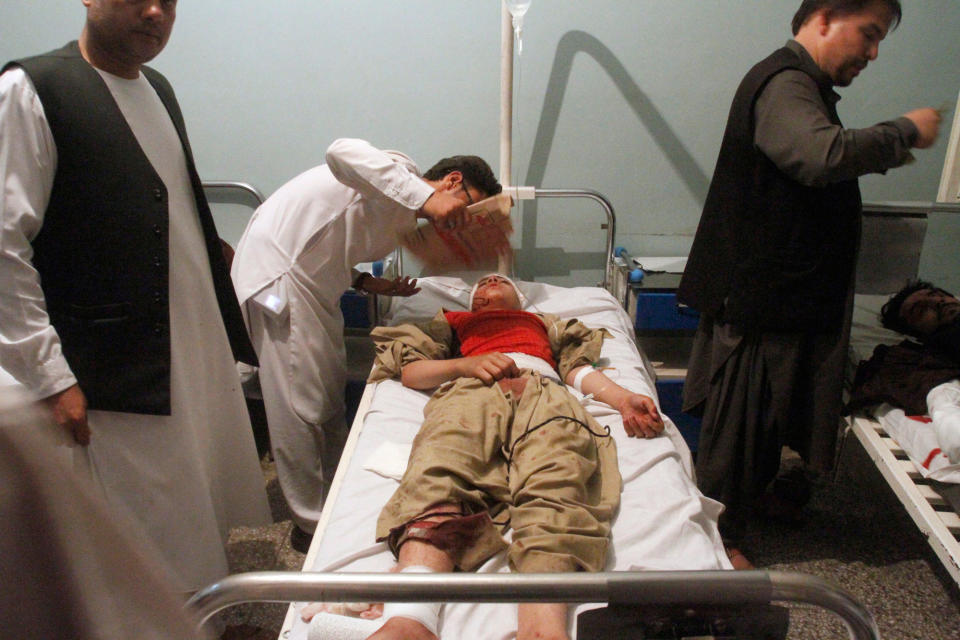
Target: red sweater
x=504, y=331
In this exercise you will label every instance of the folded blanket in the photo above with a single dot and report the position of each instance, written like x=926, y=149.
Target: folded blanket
x=901, y=375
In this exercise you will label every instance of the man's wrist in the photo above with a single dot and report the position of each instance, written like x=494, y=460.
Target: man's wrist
x=359, y=280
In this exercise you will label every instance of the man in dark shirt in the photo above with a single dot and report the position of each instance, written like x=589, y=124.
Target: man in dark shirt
x=772, y=262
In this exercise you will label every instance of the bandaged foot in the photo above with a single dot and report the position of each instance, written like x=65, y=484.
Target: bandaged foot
x=943, y=404
x=330, y=626
x=364, y=610
x=342, y=620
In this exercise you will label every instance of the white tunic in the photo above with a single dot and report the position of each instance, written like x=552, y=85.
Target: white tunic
x=188, y=477
x=303, y=242
x=292, y=264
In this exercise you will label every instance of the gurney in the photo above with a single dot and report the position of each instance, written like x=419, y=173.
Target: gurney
x=890, y=256
x=667, y=555
x=905, y=467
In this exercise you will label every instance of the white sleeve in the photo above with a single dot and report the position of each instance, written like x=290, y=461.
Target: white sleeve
x=29, y=346
x=361, y=166
x=943, y=405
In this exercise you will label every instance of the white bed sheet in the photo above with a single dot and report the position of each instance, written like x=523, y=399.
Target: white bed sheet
x=664, y=522
x=915, y=434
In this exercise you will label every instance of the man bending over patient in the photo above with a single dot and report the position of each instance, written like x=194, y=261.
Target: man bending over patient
x=503, y=442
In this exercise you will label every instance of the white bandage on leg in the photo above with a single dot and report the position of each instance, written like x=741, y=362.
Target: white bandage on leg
x=943, y=404
x=426, y=613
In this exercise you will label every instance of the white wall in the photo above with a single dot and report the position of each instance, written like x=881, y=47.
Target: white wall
x=628, y=97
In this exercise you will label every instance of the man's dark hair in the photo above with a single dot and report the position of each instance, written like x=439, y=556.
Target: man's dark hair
x=476, y=173
x=890, y=312
x=843, y=7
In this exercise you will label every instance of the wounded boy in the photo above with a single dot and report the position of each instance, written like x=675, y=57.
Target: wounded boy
x=503, y=442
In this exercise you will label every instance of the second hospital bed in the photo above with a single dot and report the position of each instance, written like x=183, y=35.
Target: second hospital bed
x=902, y=447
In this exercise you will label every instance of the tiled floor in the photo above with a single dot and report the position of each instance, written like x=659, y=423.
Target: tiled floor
x=261, y=549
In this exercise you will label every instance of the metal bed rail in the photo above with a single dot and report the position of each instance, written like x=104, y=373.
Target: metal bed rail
x=634, y=588
x=908, y=209
x=232, y=192
x=611, y=224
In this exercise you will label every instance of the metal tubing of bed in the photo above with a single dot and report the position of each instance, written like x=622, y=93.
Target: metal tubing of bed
x=894, y=209
x=231, y=192
x=650, y=588
x=607, y=208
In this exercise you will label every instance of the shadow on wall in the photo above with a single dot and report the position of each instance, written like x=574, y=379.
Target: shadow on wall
x=551, y=261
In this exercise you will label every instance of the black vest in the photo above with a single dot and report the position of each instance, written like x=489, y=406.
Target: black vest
x=102, y=253
x=770, y=253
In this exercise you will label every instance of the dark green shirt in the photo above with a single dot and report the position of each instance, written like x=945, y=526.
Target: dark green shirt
x=794, y=130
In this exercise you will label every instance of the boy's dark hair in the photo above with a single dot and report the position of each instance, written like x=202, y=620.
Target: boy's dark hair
x=890, y=312
x=476, y=173
x=843, y=7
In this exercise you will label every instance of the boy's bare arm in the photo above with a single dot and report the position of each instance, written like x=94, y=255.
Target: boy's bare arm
x=640, y=415
x=428, y=374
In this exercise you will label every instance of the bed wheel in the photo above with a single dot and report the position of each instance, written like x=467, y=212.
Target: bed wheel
x=767, y=622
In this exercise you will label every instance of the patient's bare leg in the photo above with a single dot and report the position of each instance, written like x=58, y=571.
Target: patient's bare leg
x=417, y=553
x=542, y=621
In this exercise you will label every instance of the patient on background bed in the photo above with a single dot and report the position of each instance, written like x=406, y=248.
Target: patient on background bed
x=918, y=377
x=503, y=442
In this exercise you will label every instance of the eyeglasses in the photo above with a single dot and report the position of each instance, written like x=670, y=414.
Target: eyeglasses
x=463, y=185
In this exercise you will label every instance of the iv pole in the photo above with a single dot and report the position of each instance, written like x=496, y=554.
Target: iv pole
x=518, y=193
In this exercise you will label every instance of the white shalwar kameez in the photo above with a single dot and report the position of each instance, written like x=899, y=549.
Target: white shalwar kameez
x=292, y=264
x=186, y=478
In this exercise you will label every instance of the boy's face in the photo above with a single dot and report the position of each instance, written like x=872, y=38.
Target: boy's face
x=495, y=292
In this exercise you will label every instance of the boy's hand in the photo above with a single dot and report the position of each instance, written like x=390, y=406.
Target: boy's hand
x=640, y=416
x=489, y=367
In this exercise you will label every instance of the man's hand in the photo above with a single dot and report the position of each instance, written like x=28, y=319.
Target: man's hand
x=69, y=409
x=404, y=286
x=488, y=367
x=445, y=210
x=640, y=416
x=927, y=121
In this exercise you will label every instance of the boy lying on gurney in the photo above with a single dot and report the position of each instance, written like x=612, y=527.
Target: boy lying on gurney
x=503, y=441
x=918, y=378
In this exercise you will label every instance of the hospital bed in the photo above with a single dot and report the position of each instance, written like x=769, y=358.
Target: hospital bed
x=664, y=524
x=666, y=556
x=896, y=443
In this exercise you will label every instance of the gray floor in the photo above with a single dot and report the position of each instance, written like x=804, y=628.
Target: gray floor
x=856, y=536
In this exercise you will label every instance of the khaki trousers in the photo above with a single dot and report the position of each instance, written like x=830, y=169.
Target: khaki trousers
x=559, y=491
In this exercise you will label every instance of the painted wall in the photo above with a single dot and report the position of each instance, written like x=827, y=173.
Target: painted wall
x=627, y=97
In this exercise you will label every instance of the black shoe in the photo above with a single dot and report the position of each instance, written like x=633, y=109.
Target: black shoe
x=300, y=540
x=793, y=486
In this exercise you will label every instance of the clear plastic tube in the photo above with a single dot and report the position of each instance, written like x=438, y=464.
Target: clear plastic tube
x=517, y=9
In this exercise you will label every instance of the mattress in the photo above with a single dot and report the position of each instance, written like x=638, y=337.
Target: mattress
x=664, y=523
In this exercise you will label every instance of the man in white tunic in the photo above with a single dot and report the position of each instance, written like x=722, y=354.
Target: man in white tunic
x=293, y=263
x=110, y=282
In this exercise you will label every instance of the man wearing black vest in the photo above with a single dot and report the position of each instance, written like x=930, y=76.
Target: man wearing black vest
x=116, y=305
x=771, y=266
